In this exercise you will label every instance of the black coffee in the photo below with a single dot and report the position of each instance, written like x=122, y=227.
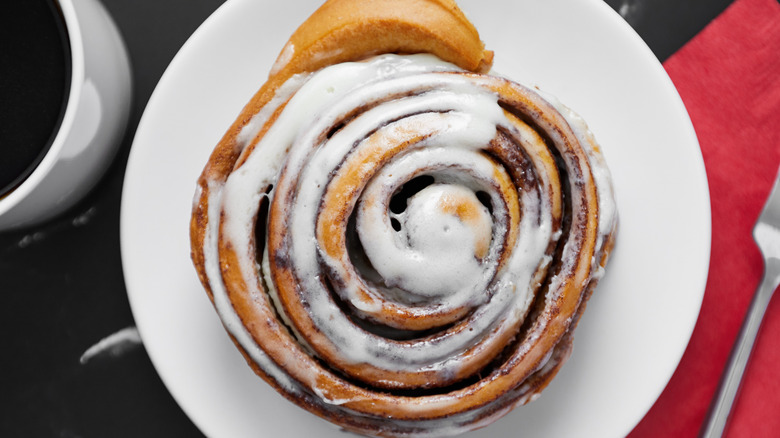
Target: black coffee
x=34, y=84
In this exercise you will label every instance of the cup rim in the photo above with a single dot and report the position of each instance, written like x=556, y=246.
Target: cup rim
x=77, y=76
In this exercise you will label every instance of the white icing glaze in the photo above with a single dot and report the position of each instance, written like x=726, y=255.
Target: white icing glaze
x=284, y=58
x=476, y=115
x=436, y=258
x=598, y=166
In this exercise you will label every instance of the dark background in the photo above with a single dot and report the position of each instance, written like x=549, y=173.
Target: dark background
x=62, y=285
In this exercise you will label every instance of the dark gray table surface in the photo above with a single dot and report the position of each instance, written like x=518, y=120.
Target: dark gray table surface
x=62, y=284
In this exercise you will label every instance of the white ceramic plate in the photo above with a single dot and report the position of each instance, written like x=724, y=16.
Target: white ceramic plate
x=640, y=319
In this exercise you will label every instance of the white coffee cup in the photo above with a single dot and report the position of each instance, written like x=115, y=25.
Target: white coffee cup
x=92, y=125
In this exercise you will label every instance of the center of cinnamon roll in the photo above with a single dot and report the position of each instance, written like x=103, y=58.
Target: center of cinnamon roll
x=446, y=232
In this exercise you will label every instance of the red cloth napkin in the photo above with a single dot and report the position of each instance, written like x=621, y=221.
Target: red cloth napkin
x=729, y=79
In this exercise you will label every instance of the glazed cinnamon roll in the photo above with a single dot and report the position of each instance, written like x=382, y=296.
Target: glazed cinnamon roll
x=396, y=241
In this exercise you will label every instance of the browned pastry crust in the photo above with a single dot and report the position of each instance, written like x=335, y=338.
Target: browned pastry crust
x=351, y=30
x=512, y=366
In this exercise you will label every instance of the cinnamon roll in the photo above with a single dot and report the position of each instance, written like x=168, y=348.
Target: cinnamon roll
x=395, y=240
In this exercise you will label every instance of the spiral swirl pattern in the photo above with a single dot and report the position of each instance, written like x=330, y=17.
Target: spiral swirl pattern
x=399, y=245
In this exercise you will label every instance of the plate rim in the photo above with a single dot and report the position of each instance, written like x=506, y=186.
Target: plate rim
x=226, y=8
